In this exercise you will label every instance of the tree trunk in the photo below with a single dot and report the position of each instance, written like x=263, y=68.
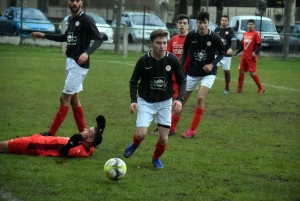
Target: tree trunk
x=196, y=8
x=161, y=9
x=118, y=13
x=286, y=43
x=219, y=6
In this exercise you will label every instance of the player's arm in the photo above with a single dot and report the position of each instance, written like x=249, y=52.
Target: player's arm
x=220, y=48
x=186, y=48
x=180, y=79
x=133, y=82
x=94, y=32
x=233, y=39
x=54, y=37
x=74, y=141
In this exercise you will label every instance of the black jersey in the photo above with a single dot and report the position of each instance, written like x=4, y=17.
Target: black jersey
x=152, y=78
x=202, y=50
x=228, y=37
x=81, y=30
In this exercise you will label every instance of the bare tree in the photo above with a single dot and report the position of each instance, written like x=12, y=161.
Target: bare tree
x=286, y=43
x=161, y=9
x=196, y=8
x=219, y=6
x=180, y=8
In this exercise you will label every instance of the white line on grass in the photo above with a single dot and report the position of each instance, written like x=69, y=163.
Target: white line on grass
x=269, y=85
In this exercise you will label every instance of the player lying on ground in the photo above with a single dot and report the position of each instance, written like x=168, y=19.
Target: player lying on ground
x=79, y=145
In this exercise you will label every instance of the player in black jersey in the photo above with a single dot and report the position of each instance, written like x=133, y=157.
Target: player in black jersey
x=152, y=81
x=81, y=30
x=201, y=45
x=229, y=40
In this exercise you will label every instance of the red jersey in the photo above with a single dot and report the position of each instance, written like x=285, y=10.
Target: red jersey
x=38, y=145
x=251, y=40
x=175, y=46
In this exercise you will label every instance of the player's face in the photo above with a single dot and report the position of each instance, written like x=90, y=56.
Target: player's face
x=250, y=26
x=224, y=22
x=75, y=5
x=159, y=46
x=183, y=26
x=202, y=26
x=88, y=133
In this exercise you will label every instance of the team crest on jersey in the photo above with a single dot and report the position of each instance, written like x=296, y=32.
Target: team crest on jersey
x=208, y=43
x=77, y=23
x=200, y=55
x=168, y=68
x=159, y=83
x=226, y=32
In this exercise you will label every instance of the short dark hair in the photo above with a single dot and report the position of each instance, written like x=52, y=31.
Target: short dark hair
x=202, y=15
x=182, y=17
x=225, y=16
x=158, y=33
x=97, y=139
x=251, y=21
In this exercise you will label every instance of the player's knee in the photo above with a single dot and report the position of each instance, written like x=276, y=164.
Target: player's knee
x=200, y=100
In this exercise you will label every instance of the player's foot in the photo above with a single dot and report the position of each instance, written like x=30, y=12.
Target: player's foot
x=238, y=91
x=156, y=162
x=129, y=150
x=261, y=90
x=226, y=91
x=172, y=132
x=155, y=132
x=188, y=134
x=45, y=134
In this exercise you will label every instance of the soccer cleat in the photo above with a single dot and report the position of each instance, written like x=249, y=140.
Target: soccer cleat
x=238, y=91
x=156, y=162
x=129, y=150
x=189, y=134
x=172, y=132
x=260, y=91
x=45, y=134
x=226, y=91
x=155, y=132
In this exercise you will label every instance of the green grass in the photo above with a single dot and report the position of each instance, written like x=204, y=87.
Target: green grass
x=247, y=146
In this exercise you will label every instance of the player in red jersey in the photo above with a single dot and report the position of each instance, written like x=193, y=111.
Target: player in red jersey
x=175, y=46
x=251, y=43
x=79, y=145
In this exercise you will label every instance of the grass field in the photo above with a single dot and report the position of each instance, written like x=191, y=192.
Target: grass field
x=247, y=146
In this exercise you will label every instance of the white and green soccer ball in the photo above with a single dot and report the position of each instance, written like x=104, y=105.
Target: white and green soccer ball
x=115, y=169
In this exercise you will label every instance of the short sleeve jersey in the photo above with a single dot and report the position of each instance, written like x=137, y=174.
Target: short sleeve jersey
x=227, y=35
x=152, y=78
x=251, y=40
x=175, y=46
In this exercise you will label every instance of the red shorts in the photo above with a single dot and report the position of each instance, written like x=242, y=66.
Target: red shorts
x=175, y=88
x=248, y=65
x=20, y=146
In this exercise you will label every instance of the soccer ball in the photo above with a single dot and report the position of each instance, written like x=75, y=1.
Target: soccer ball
x=115, y=169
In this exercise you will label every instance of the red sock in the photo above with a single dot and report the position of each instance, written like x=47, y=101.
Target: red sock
x=58, y=119
x=136, y=141
x=174, y=121
x=257, y=81
x=159, y=150
x=79, y=118
x=241, y=81
x=197, y=118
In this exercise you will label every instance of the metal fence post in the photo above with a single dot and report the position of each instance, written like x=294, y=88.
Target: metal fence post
x=63, y=30
x=125, y=41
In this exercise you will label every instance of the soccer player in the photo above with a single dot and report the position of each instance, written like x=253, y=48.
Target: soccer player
x=79, y=145
x=251, y=44
x=200, y=45
x=81, y=30
x=229, y=41
x=175, y=46
x=152, y=80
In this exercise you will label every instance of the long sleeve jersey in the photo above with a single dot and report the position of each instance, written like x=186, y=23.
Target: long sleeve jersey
x=81, y=30
x=152, y=78
x=202, y=50
x=228, y=38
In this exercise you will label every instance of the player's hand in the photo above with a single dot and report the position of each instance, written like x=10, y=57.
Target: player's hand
x=132, y=107
x=37, y=35
x=177, y=106
x=207, y=68
x=74, y=141
x=253, y=54
x=82, y=59
x=101, y=122
x=229, y=51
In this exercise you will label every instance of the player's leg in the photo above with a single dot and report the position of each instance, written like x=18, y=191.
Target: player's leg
x=253, y=74
x=226, y=69
x=206, y=84
x=22, y=145
x=78, y=112
x=144, y=118
x=4, y=147
x=242, y=70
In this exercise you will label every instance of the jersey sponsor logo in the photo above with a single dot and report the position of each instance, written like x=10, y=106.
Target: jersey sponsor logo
x=71, y=39
x=200, y=55
x=148, y=67
x=159, y=83
x=224, y=41
x=168, y=68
